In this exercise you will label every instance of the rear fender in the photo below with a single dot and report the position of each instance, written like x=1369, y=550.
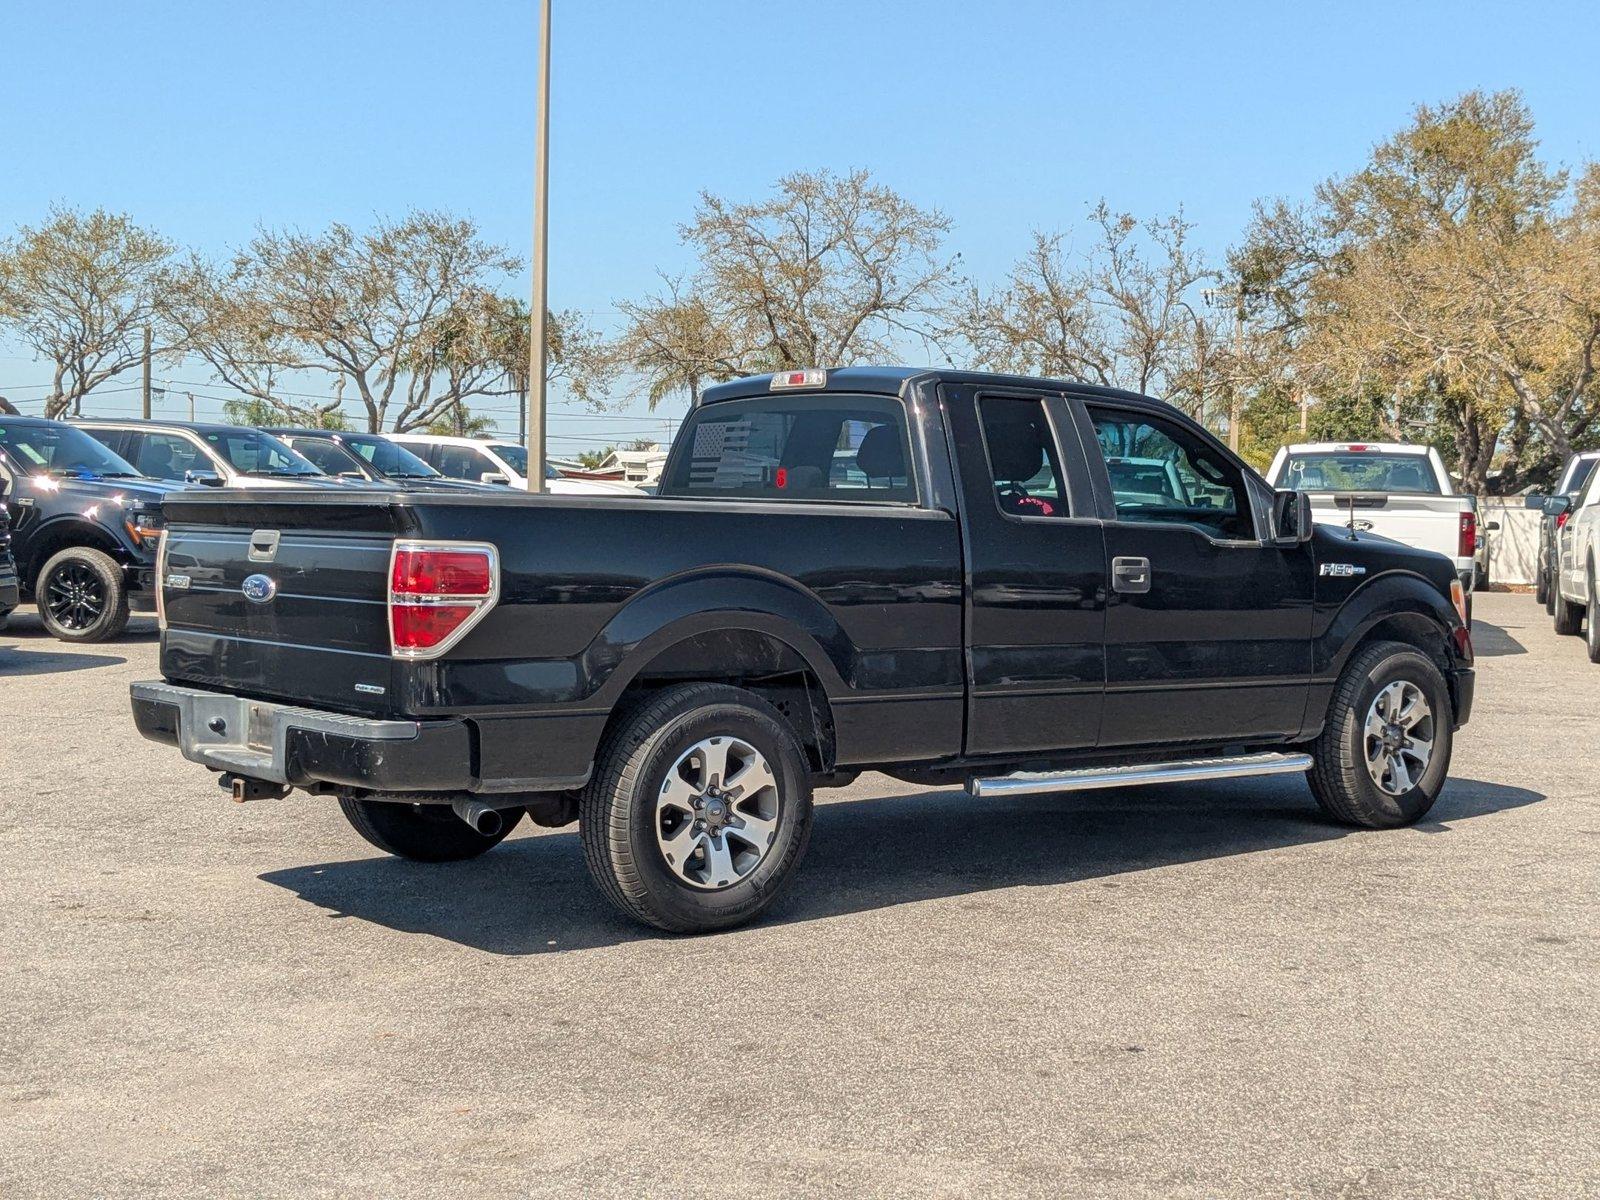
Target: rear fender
x=695, y=608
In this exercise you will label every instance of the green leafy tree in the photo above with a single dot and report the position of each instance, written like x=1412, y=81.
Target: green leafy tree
x=830, y=270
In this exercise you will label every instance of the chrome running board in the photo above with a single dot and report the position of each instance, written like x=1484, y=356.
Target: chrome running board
x=1028, y=783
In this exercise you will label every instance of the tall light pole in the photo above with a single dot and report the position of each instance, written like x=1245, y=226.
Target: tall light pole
x=541, y=242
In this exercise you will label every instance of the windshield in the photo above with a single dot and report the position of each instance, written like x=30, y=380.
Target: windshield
x=517, y=457
x=60, y=450
x=1359, y=471
x=386, y=457
x=251, y=452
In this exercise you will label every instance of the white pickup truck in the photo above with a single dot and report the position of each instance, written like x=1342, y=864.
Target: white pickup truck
x=1394, y=490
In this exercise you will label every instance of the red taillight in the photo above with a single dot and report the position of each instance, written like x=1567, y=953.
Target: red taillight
x=437, y=592
x=422, y=572
x=1561, y=519
x=1468, y=545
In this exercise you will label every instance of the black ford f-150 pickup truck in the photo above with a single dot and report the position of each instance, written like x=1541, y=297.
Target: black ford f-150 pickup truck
x=946, y=576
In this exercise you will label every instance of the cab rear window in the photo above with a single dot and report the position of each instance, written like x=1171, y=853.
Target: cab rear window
x=845, y=448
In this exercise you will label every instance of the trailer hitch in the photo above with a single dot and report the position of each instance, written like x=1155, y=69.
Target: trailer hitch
x=245, y=788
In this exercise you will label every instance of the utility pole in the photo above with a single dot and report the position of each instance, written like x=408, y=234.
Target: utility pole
x=533, y=434
x=1235, y=401
x=1215, y=297
x=146, y=389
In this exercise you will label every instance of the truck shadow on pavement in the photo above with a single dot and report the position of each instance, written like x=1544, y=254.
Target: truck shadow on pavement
x=532, y=896
x=30, y=662
x=1492, y=641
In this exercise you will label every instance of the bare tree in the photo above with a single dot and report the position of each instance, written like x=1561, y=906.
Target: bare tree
x=80, y=290
x=1123, y=314
x=832, y=270
x=379, y=310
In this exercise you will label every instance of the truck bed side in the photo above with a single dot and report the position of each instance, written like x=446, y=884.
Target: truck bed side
x=864, y=601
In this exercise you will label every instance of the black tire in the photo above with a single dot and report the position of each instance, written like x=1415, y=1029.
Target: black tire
x=1339, y=777
x=422, y=832
x=1541, y=585
x=82, y=596
x=1567, y=615
x=1550, y=588
x=618, y=812
x=1591, y=639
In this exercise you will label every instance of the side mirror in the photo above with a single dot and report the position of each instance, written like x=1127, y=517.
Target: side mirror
x=1554, y=506
x=494, y=477
x=205, y=478
x=1292, y=523
x=1535, y=499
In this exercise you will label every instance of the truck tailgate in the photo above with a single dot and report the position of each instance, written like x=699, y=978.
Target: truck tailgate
x=1426, y=522
x=313, y=617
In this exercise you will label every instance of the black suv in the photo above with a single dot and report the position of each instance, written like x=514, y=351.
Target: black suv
x=85, y=528
x=367, y=456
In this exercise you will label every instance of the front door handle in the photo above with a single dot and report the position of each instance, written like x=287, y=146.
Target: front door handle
x=1130, y=575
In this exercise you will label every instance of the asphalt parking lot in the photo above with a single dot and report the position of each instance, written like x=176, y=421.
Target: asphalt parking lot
x=1193, y=991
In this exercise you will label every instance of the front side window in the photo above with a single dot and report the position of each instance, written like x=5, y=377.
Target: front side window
x=1161, y=472
x=1359, y=471
x=1022, y=457
x=466, y=462
x=166, y=455
x=851, y=448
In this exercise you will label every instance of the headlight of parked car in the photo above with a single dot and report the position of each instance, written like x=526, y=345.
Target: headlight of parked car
x=143, y=526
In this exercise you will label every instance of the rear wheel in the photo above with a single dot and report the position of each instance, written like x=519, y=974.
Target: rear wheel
x=423, y=832
x=1541, y=585
x=82, y=596
x=1568, y=616
x=699, y=809
x=1384, y=753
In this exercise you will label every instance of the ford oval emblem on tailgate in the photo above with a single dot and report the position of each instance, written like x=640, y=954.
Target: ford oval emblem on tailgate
x=259, y=588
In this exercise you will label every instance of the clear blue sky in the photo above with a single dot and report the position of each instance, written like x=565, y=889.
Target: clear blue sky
x=204, y=119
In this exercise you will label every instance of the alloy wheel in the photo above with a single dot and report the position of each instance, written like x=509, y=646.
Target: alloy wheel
x=75, y=596
x=717, y=813
x=1398, y=737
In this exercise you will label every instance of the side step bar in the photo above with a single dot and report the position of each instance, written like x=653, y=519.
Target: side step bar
x=1028, y=783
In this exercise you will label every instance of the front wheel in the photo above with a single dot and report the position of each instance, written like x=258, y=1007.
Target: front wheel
x=422, y=832
x=82, y=596
x=699, y=809
x=1591, y=638
x=1568, y=616
x=1384, y=752
x=1541, y=585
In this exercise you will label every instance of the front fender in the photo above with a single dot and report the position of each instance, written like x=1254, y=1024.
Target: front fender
x=1396, y=593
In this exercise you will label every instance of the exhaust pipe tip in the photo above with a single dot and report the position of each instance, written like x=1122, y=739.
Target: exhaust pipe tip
x=484, y=820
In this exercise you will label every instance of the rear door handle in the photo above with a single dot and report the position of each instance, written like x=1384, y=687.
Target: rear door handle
x=1130, y=575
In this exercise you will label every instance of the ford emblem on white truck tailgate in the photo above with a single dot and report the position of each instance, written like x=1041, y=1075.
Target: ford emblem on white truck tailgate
x=259, y=588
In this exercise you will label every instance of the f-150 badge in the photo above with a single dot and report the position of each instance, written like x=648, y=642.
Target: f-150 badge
x=1341, y=570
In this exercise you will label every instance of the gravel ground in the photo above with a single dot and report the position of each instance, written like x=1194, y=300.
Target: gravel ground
x=1191, y=991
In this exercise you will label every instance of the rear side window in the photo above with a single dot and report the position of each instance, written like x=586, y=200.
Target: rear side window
x=1022, y=457
x=851, y=448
